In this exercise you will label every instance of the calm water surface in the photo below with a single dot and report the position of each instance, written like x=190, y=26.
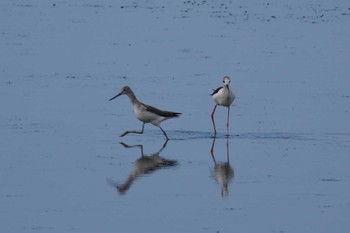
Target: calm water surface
x=284, y=168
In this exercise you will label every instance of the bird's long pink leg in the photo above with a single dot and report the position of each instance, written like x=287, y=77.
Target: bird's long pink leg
x=212, y=119
x=228, y=120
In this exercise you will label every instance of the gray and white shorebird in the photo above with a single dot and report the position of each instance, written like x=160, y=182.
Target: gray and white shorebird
x=146, y=113
x=223, y=96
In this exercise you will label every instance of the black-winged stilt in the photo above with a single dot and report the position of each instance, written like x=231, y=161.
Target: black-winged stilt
x=223, y=96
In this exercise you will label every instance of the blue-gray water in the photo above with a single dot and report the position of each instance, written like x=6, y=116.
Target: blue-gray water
x=61, y=156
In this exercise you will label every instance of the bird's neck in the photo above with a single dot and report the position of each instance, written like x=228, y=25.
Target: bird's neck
x=132, y=97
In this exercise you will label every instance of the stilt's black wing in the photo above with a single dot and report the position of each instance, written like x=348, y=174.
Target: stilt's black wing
x=216, y=90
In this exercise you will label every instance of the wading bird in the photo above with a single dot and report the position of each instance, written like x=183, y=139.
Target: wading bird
x=223, y=96
x=146, y=113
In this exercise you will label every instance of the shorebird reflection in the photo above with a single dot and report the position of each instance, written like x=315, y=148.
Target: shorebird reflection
x=222, y=171
x=144, y=165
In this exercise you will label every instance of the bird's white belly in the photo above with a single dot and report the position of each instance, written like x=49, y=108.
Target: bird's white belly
x=224, y=97
x=146, y=116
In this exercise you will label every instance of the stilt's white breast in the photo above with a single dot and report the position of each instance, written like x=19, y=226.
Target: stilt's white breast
x=224, y=97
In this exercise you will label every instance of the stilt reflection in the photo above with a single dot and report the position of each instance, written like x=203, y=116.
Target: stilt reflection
x=222, y=171
x=144, y=165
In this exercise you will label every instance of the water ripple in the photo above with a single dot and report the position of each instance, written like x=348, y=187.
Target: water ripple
x=192, y=135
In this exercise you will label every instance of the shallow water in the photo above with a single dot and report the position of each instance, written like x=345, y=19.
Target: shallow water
x=286, y=159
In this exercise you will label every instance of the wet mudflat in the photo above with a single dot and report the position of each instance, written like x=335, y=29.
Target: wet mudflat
x=64, y=168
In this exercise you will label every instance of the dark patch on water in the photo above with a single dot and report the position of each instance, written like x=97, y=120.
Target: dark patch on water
x=330, y=180
x=276, y=135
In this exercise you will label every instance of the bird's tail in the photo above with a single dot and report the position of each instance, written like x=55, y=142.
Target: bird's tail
x=177, y=114
x=171, y=114
x=168, y=162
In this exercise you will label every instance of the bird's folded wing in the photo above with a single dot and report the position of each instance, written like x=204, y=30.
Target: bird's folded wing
x=216, y=90
x=161, y=112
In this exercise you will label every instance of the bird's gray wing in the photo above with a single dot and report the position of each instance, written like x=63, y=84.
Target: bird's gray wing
x=161, y=112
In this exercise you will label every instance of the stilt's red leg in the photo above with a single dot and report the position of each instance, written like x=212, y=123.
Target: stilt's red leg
x=212, y=119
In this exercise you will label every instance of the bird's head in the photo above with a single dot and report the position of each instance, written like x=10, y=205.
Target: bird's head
x=226, y=80
x=124, y=91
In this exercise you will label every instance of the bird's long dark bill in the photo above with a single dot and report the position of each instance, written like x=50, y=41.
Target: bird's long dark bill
x=115, y=96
